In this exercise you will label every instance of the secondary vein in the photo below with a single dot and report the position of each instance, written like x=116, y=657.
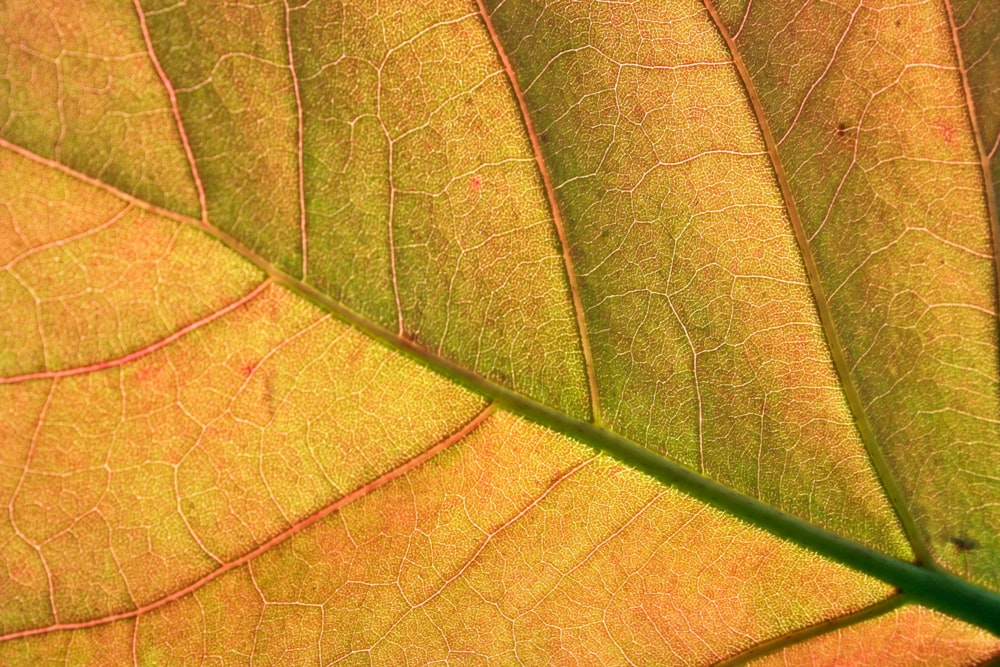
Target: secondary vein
x=550, y=194
x=985, y=155
x=174, y=109
x=292, y=530
x=828, y=325
x=304, y=240
x=801, y=635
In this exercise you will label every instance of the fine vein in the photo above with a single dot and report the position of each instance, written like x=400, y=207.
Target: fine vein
x=868, y=437
x=299, y=141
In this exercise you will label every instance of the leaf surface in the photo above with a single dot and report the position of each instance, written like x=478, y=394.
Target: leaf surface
x=500, y=333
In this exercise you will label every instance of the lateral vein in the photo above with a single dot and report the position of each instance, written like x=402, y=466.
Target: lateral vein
x=292, y=530
x=557, y=219
x=881, y=465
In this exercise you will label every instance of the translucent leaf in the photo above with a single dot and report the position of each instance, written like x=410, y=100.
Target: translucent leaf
x=499, y=332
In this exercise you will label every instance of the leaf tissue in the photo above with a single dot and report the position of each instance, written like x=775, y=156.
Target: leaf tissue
x=499, y=332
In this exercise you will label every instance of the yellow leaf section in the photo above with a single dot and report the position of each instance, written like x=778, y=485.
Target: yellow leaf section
x=515, y=545
x=78, y=85
x=126, y=484
x=426, y=208
x=908, y=637
x=87, y=278
x=874, y=133
x=236, y=92
x=707, y=344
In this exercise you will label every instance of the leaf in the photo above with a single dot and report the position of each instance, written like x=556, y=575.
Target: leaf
x=499, y=332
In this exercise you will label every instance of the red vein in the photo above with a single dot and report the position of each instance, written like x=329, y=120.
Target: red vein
x=804, y=634
x=298, y=110
x=298, y=527
x=868, y=438
x=463, y=568
x=984, y=155
x=550, y=194
x=138, y=354
x=172, y=94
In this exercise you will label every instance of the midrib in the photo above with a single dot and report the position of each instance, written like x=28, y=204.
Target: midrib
x=931, y=587
x=928, y=586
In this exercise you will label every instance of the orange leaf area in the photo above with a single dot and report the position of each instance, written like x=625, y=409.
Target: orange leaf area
x=511, y=545
x=493, y=332
x=198, y=452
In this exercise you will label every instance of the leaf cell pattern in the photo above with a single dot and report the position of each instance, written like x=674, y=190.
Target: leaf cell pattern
x=499, y=332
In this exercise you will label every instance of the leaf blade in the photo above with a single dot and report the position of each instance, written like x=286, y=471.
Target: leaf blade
x=549, y=402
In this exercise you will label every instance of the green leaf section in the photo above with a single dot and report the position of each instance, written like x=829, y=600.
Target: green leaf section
x=707, y=345
x=229, y=69
x=445, y=172
x=975, y=26
x=423, y=155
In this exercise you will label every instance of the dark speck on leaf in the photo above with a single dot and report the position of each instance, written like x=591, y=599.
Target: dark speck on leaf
x=963, y=544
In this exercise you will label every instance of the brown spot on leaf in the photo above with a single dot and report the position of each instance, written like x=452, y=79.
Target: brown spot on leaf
x=146, y=374
x=947, y=132
x=963, y=544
